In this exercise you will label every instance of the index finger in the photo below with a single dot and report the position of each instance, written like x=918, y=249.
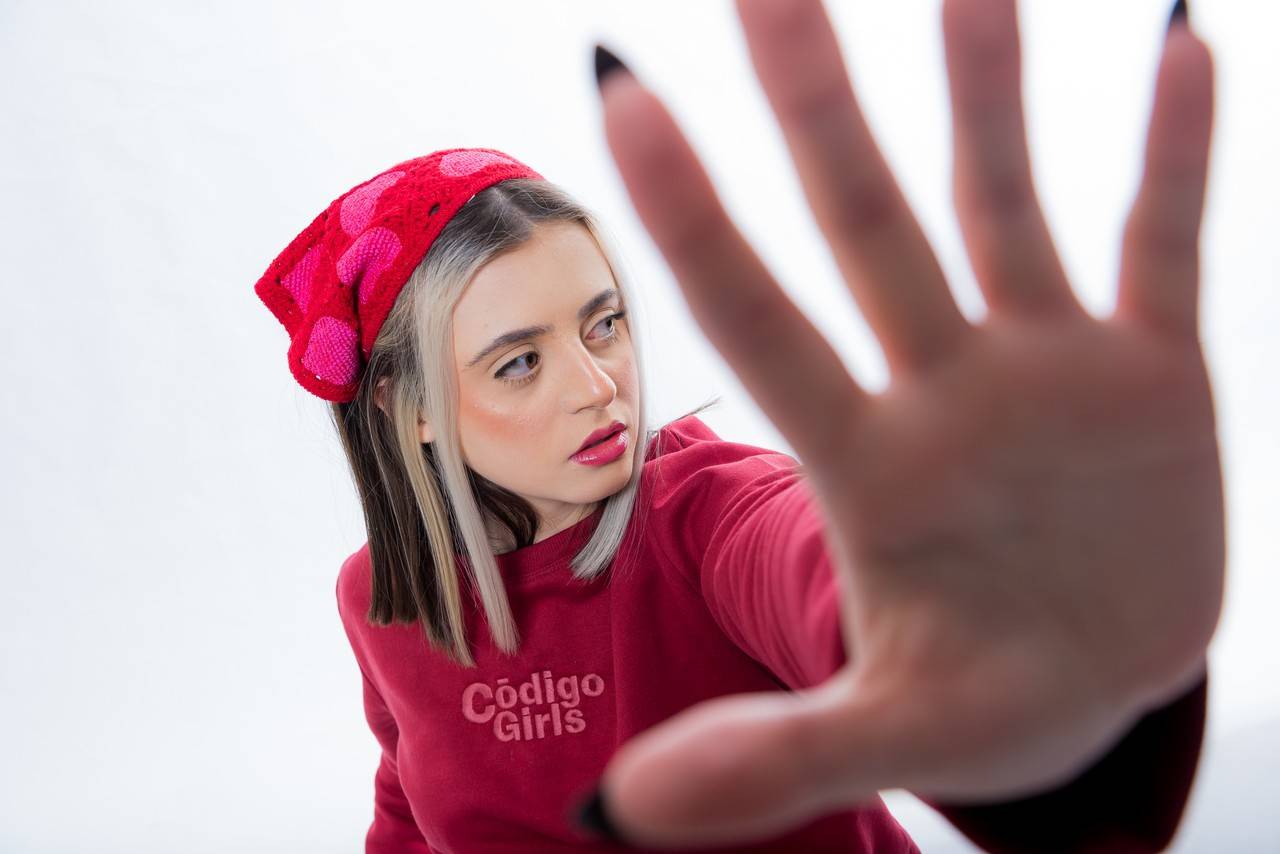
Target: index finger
x=783, y=361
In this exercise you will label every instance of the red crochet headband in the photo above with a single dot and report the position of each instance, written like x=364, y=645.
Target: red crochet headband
x=335, y=283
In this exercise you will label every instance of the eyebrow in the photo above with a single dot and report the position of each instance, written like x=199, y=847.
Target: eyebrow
x=527, y=332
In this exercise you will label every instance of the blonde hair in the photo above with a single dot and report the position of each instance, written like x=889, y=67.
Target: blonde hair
x=428, y=515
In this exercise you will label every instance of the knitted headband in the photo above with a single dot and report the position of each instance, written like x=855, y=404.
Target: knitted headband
x=335, y=283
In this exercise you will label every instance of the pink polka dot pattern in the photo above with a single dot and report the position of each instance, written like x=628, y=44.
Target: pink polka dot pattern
x=298, y=282
x=357, y=207
x=367, y=258
x=466, y=162
x=336, y=282
x=331, y=353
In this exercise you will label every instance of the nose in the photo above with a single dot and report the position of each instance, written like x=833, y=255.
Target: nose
x=591, y=384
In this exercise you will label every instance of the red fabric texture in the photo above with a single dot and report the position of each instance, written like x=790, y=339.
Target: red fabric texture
x=334, y=284
x=727, y=588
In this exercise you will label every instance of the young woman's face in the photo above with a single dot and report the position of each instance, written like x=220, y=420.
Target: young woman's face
x=527, y=406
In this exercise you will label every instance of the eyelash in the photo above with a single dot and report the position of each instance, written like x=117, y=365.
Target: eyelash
x=615, y=317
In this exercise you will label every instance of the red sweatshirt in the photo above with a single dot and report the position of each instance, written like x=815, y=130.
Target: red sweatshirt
x=728, y=590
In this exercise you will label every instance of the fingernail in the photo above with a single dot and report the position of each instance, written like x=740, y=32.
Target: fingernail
x=606, y=62
x=591, y=816
x=1178, y=15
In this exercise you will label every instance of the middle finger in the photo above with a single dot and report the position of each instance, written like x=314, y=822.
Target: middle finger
x=876, y=241
x=1003, y=226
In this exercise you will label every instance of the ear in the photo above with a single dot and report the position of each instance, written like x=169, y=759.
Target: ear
x=380, y=394
x=425, y=433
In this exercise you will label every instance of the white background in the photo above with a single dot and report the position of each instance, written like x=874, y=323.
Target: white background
x=176, y=508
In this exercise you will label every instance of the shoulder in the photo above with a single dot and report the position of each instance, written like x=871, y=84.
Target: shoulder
x=689, y=448
x=690, y=463
x=699, y=488
x=353, y=584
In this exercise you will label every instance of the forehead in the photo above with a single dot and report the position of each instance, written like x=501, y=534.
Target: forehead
x=545, y=280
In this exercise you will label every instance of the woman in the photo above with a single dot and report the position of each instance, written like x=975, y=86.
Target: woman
x=992, y=585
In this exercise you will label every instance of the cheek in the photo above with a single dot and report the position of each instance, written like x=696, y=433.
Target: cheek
x=503, y=426
x=625, y=379
x=492, y=429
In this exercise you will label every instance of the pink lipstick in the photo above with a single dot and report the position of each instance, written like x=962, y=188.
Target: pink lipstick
x=602, y=449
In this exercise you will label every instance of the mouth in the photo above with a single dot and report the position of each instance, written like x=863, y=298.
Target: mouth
x=596, y=439
x=602, y=441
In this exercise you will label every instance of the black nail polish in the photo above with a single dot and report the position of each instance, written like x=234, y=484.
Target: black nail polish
x=1179, y=14
x=591, y=816
x=607, y=62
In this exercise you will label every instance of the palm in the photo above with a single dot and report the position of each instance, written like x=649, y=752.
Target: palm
x=1041, y=514
x=1027, y=525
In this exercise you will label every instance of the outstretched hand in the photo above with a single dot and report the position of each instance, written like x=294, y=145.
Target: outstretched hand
x=1027, y=524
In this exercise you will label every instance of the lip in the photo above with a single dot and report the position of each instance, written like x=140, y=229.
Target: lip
x=597, y=435
x=606, y=452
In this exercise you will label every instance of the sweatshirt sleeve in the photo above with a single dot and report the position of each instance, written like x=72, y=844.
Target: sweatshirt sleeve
x=393, y=830
x=1130, y=800
x=768, y=580
x=740, y=522
x=767, y=576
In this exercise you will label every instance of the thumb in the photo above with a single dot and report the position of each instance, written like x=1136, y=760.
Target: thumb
x=746, y=767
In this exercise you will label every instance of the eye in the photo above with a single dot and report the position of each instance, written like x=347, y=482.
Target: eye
x=521, y=380
x=612, y=320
